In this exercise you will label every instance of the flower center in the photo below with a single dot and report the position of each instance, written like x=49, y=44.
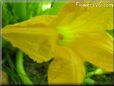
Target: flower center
x=60, y=36
x=65, y=36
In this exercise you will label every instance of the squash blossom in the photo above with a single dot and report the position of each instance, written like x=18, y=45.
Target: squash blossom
x=75, y=35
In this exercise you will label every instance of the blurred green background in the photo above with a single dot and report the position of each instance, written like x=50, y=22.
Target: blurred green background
x=37, y=73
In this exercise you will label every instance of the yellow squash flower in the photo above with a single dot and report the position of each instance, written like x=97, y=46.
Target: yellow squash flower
x=75, y=35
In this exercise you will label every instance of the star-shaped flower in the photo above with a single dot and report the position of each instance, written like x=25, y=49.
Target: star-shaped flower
x=75, y=35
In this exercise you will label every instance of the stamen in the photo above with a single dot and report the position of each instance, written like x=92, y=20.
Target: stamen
x=61, y=37
x=65, y=35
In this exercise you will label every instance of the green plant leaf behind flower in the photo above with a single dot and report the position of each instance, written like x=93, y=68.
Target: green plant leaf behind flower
x=55, y=7
x=20, y=10
x=32, y=9
x=7, y=15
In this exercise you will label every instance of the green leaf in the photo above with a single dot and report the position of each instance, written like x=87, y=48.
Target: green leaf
x=89, y=81
x=55, y=8
x=20, y=10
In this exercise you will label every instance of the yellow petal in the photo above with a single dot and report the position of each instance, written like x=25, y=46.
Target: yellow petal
x=94, y=19
x=66, y=68
x=37, y=21
x=67, y=14
x=79, y=18
x=32, y=38
x=96, y=48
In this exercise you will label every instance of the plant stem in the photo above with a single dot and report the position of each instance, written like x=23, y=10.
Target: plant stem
x=20, y=69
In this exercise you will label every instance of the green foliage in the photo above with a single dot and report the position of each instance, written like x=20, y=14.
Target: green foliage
x=54, y=9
